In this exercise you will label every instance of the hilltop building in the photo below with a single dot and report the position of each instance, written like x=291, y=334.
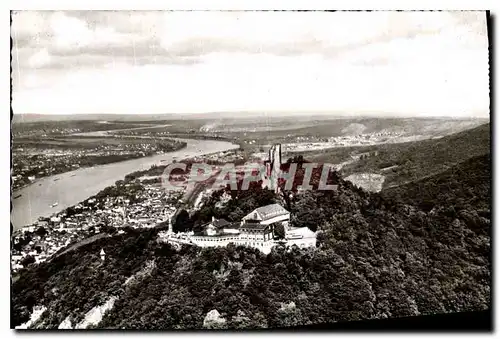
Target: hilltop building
x=266, y=217
x=218, y=232
x=255, y=230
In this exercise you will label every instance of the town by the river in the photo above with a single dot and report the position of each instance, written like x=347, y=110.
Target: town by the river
x=53, y=194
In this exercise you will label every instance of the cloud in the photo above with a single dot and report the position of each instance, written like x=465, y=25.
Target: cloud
x=179, y=34
x=39, y=59
x=268, y=82
x=88, y=40
x=29, y=25
x=109, y=61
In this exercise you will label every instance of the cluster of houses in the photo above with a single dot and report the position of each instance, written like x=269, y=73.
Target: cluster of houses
x=62, y=229
x=220, y=157
x=346, y=141
x=40, y=248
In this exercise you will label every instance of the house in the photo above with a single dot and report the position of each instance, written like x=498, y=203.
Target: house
x=221, y=226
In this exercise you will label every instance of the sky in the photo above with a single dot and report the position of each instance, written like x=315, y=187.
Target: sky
x=133, y=62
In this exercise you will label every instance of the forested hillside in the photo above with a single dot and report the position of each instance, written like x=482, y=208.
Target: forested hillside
x=466, y=185
x=376, y=258
x=415, y=160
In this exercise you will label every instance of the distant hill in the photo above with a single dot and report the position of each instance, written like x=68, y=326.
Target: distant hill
x=406, y=162
x=32, y=118
x=467, y=184
x=376, y=257
x=230, y=116
x=384, y=119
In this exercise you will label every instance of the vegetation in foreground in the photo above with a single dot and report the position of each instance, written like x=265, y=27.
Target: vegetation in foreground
x=376, y=258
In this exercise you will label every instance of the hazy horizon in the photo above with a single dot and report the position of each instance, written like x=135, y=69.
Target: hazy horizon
x=33, y=117
x=399, y=64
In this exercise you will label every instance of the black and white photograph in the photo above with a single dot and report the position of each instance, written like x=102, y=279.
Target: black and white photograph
x=244, y=170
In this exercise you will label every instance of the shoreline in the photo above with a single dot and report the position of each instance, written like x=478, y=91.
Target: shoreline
x=14, y=192
x=35, y=200
x=113, y=172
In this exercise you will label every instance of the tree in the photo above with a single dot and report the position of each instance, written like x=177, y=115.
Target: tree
x=108, y=229
x=28, y=260
x=279, y=231
x=182, y=222
x=236, y=214
x=41, y=231
x=288, y=315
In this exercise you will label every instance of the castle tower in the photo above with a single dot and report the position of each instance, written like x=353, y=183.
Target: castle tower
x=276, y=166
x=273, y=167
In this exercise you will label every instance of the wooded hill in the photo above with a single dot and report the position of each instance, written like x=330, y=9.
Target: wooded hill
x=376, y=258
x=416, y=160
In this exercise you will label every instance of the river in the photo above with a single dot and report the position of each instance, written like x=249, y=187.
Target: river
x=70, y=188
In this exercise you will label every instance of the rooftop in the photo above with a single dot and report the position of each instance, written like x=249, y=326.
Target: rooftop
x=253, y=226
x=266, y=212
x=220, y=223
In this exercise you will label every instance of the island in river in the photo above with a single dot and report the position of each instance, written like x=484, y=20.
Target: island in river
x=73, y=187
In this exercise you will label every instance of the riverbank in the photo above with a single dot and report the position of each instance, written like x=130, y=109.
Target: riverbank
x=34, y=158
x=75, y=186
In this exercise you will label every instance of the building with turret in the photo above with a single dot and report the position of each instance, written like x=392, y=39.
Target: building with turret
x=256, y=229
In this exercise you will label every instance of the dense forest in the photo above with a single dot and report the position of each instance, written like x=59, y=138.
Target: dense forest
x=466, y=185
x=376, y=257
x=416, y=160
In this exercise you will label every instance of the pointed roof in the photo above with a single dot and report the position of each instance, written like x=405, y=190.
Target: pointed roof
x=102, y=252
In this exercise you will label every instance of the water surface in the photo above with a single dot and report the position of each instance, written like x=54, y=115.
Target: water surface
x=75, y=186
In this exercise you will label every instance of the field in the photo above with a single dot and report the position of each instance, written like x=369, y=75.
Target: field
x=307, y=133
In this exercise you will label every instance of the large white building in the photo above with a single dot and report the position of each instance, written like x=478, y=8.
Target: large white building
x=255, y=230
